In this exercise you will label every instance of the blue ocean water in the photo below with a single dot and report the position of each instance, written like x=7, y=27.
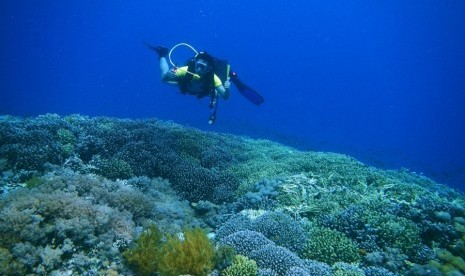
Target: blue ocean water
x=383, y=82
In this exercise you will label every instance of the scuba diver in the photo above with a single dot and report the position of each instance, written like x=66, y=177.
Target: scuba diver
x=201, y=76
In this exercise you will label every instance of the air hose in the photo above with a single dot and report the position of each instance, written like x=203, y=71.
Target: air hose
x=178, y=45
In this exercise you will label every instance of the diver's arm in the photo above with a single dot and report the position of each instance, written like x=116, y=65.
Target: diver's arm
x=170, y=77
x=167, y=75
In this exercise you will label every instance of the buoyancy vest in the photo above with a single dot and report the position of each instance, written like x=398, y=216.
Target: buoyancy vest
x=207, y=82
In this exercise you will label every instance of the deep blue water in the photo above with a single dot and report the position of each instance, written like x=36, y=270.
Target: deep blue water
x=383, y=81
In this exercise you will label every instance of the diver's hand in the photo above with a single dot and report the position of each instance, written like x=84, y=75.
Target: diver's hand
x=171, y=74
x=226, y=84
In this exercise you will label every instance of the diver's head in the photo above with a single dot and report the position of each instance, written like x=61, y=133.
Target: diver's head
x=204, y=63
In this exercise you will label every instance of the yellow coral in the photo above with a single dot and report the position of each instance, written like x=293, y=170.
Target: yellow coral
x=193, y=254
x=144, y=256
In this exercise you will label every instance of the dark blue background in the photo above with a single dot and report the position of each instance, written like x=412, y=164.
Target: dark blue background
x=383, y=81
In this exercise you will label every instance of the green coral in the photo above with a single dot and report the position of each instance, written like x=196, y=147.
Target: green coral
x=116, y=169
x=345, y=269
x=67, y=141
x=34, y=182
x=264, y=159
x=395, y=232
x=330, y=246
x=3, y=164
x=67, y=149
x=187, y=148
x=8, y=265
x=193, y=254
x=224, y=256
x=451, y=264
x=65, y=136
x=241, y=266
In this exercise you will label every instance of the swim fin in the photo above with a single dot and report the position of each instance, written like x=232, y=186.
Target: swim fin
x=245, y=90
x=160, y=50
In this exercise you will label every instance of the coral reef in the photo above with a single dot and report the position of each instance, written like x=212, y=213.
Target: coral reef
x=76, y=192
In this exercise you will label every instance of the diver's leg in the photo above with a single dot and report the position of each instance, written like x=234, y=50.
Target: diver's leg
x=162, y=52
x=164, y=67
